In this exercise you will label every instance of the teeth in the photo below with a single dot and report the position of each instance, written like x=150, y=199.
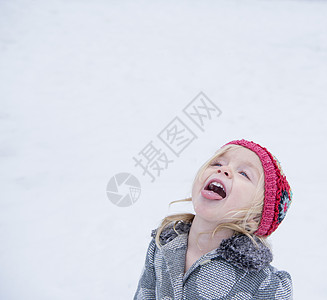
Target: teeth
x=218, y=184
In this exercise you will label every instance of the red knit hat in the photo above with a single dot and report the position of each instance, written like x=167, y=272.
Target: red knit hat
x=278, y=194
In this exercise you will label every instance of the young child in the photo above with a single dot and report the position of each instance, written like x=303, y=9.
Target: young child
x=240, y=196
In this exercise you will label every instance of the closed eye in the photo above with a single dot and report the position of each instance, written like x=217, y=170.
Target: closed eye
x=218, y=164
x=244, y=174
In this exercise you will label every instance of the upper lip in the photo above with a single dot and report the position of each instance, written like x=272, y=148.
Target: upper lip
x=216, y=180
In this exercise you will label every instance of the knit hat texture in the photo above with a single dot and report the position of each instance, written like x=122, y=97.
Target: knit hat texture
x=278, y=194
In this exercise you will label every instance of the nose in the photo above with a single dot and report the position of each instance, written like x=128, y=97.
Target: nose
x=226, y=171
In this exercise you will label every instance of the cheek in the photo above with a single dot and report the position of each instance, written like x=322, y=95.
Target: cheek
x=199, y=183
x=246, y=193
x=196, y=188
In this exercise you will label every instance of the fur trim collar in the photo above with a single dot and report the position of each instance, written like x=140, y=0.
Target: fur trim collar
x=168, y=234
x=241, y=252
x=238, y=250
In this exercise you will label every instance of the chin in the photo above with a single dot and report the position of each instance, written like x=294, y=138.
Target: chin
x=205, y=213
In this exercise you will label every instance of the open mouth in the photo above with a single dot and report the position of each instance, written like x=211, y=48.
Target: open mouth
x=217, y=188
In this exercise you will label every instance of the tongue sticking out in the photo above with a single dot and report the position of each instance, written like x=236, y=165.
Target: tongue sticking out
x=213, y=192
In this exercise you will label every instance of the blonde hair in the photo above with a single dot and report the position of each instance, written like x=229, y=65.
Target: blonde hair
x=244, y=221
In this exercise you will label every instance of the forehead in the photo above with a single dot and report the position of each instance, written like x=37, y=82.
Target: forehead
x=243, y=155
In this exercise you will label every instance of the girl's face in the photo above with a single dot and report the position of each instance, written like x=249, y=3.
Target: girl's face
x=236, y=175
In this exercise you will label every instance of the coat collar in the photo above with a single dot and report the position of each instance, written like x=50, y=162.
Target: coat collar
x=238, y=250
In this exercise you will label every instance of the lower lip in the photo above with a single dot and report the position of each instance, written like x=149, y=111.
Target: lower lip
x=211, y=195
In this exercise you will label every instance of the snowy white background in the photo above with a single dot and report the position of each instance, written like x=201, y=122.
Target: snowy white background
x=85, y=85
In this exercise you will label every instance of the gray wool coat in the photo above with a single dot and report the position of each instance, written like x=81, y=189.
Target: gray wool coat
x=236, y=270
